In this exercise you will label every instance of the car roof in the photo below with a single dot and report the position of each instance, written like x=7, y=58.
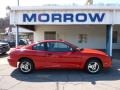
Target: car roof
x=52, y=41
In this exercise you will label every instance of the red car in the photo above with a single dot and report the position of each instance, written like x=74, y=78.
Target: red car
x=58, y=54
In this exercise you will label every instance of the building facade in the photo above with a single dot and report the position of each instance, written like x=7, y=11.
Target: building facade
x=95, y=27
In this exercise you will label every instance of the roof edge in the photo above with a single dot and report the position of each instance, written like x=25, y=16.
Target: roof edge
x=91, y=7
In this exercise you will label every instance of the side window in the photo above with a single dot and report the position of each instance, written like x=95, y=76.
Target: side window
x=58, y=47
x=39, y=46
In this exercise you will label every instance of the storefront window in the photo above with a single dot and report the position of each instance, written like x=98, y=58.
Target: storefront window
x=50, y=35
x=82, y=38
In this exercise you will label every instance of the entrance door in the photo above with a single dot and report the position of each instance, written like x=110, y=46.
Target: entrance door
x=50, y=35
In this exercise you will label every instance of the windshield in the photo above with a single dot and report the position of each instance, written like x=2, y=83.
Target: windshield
x=74, y=46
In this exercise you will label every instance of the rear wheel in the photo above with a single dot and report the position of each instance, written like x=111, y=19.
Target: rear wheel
x=26, y=66
x=93, y=66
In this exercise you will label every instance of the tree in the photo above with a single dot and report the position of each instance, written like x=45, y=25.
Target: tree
x=4, y=23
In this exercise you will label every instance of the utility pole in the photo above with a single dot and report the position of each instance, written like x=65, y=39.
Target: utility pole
x=17, y=30
x=18, y=2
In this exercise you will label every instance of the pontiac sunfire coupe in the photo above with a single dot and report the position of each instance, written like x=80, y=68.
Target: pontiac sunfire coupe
x=58, y=54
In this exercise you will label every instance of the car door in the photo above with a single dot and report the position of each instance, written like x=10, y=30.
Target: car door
x=39, y=54
x=61, y=55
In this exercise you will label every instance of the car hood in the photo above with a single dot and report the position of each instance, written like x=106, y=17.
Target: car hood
x=88, y=50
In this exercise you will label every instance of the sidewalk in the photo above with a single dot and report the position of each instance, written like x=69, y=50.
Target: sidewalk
x=3, y=59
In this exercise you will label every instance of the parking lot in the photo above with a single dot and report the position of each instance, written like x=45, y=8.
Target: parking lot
x=11, y=79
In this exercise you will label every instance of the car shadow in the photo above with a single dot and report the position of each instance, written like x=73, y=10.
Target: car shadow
x=68, y=75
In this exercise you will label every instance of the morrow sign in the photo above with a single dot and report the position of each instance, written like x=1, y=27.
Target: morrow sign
x=63, y=17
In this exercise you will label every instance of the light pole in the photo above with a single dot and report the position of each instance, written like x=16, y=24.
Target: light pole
x=17, y=31
x=18, y=2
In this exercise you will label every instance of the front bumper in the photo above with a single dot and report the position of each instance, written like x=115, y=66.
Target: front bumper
x=12, y=62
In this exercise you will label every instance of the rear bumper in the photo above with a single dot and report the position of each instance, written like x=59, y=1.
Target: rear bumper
x=12, y=62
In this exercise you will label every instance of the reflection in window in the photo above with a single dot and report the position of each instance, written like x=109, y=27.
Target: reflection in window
x=39, y=46
x=58, y=46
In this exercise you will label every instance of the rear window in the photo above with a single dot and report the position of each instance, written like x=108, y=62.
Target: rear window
x=39, y=46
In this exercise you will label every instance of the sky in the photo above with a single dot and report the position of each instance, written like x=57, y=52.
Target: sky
x=5, y=3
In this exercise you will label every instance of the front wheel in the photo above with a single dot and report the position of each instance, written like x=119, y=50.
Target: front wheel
x=26, y=66
x=93, y=66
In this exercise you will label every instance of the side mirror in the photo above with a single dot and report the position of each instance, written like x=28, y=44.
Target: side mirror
x=76, y=49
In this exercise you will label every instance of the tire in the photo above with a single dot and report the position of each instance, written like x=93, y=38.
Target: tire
x=26, y=66
x=93, y=66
